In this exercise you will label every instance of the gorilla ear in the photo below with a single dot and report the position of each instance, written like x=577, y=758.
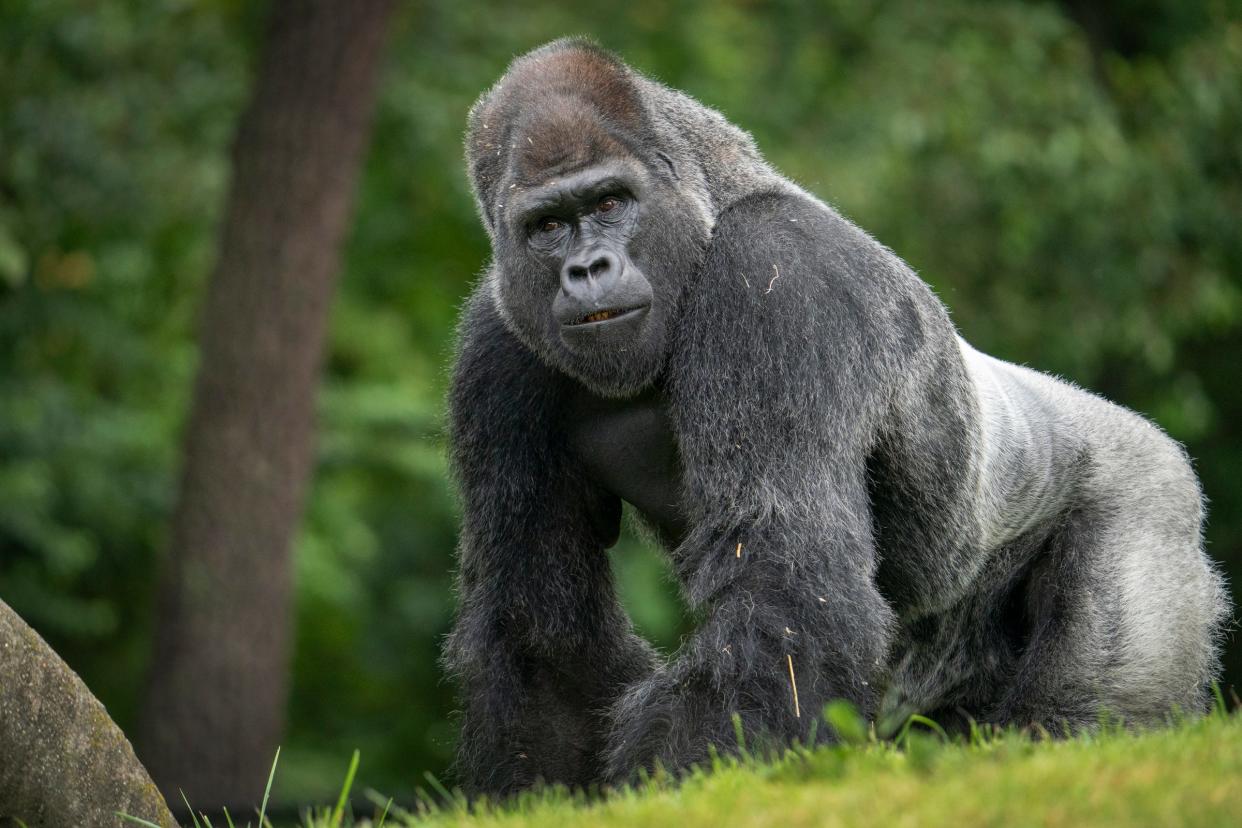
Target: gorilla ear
x=668, y=162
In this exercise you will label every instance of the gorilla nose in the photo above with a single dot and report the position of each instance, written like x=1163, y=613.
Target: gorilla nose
x=599, y=265
x=590, y=277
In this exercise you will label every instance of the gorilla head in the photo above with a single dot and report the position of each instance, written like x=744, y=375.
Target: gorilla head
x=594, y=239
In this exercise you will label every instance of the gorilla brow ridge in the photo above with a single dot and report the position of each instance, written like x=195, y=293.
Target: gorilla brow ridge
x=548, y=86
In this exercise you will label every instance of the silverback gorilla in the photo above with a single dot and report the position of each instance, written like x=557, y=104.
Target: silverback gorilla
x=856, y=503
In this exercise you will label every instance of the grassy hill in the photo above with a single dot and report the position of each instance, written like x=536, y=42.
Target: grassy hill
x=1187, y=775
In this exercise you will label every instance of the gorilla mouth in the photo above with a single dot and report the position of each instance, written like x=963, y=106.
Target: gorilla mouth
x=606, y=315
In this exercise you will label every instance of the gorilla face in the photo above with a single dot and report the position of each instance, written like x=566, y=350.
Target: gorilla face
x=593, y=264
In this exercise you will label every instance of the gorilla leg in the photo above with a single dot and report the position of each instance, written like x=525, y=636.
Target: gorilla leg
x=1067, y=617
x=1172, y=602
x=1122, y=609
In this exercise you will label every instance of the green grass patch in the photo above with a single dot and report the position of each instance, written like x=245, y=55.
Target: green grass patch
x=1187, y=775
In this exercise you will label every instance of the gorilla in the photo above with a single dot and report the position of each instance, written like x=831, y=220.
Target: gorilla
x=856, y=503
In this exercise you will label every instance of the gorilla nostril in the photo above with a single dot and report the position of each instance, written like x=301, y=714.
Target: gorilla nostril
x=597, y=267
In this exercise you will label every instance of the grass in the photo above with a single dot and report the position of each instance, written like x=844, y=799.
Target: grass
x=1189, y=774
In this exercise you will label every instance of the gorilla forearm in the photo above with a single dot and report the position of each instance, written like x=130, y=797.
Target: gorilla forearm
x=795, y=609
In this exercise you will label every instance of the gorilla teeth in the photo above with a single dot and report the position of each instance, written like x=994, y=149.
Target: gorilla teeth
x=605, y=315
x=599, y=316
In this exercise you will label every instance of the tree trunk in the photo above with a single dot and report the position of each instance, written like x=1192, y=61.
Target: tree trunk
x=214, y=709
x=62, y=760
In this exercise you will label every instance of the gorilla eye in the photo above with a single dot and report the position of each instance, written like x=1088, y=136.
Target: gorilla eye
x=608, y=203
x=549, y=225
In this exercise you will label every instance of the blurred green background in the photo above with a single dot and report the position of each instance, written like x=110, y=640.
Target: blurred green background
x=1067, y=175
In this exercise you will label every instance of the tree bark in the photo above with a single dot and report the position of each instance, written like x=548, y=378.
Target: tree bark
x=214, y=708
x=62, y=760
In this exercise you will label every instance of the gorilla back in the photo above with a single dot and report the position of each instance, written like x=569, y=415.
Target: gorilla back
x=857, y=504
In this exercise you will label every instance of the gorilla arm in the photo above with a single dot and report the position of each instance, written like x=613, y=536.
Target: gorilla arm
x=540, y=644
x=783, y=364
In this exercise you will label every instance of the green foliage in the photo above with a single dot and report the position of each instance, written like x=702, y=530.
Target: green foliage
x=112, y=169
x=846, y=722
x=1071, y=186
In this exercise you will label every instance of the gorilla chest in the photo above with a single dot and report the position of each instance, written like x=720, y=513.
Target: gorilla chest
x=629, y=449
